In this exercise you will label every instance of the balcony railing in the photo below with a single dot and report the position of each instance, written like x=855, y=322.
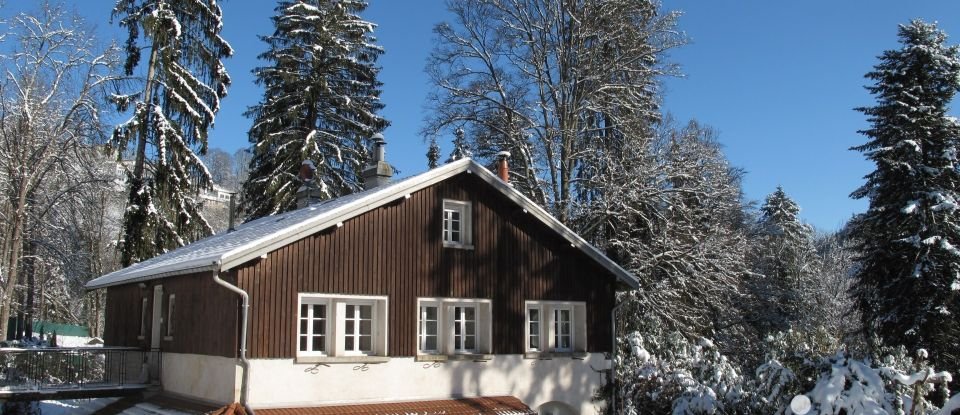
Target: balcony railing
x=81, y=368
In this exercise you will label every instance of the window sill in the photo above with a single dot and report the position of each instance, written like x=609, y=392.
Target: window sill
x=552, y=355
x=342, y=359
x=168, y=338
x=466, y=357
x=457, y=246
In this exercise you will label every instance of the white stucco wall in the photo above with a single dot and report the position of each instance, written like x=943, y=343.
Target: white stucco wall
x=282, y=383
x=211, y=379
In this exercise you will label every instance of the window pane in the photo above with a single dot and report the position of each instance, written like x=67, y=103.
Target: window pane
x=348, y=343
x=303, y=326
x=365, y=327
x=468, y=343
x=365, y=342
x=319, y=311
x=534, y=314
x=303, y=310
x=318, y=343
x=534, y=342
x=317, y=326
x=455, y=215
x=565, y=315
x=457, y=343
x=431, y=343
x=349, y=327
x=456, y=329
x=431, y=328
x=565, y=342
x=431, y=313
x=454, y=236
x=455, y=225
x=471, y=328
x=350, y=311
x=469, y=313
x=303, y=343
x=366, y=311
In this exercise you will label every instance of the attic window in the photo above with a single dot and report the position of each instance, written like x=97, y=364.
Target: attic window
x=457, y=226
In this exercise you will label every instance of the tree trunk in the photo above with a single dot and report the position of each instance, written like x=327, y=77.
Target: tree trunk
x=13, y=270
x=148, y=101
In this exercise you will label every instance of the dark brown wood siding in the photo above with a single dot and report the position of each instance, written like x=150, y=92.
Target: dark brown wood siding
x=205, y=315
x=396, y=251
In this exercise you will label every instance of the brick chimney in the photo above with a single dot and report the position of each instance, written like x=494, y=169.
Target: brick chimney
x=378, y=172
x=503, y=167
x=308, y=192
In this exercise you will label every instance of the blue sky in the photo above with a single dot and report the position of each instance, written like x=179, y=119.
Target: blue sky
x=779, y=80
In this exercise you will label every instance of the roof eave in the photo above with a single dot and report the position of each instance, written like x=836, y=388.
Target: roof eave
x=147, y=277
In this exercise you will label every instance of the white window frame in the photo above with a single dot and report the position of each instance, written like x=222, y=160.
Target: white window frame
x=483, y=326
x=356, y=327
x=527, y=334
x=335, y=337
x=548, y=328
x=422, y=327
x=466, y=224
x=557, y=335
x=312, y=301
x=460, y=324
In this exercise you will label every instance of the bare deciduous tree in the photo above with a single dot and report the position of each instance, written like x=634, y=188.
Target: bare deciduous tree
x=547, y=80
x=51, y=98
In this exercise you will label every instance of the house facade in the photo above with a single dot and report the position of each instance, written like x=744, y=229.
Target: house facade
x=444, y=285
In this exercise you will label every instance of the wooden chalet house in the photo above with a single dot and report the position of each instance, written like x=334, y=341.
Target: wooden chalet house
x=445, y=285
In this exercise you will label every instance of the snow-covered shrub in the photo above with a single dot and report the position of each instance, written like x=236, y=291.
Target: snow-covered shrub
x=896, y=384
x=791, y=366
x=668, y=373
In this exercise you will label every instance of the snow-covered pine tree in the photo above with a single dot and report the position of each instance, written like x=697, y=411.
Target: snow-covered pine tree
x=461, y=149
x=784, y=262
x=320, y=103
x=433, y=154
x=907, y=284
x=183, y=83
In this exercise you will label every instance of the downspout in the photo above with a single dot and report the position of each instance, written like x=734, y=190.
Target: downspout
x=613, y=359
x=243, y=335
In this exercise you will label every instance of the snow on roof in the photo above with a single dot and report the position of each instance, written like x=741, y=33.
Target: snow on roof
x=258, y=237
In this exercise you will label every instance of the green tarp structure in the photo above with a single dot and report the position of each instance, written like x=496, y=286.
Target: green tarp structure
x=48, y=327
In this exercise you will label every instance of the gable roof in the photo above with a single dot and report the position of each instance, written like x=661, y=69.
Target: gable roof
x=258, y=237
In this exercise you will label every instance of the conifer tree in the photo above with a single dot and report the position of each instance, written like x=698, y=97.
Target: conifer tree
x=181, y=91
x=320, y=103
x=433, y=154
x=461, y=149
x=907, y=284
x=784, y=261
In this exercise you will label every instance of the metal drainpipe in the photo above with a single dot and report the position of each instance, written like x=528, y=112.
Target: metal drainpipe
x=613, y=360
x=243, y=335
